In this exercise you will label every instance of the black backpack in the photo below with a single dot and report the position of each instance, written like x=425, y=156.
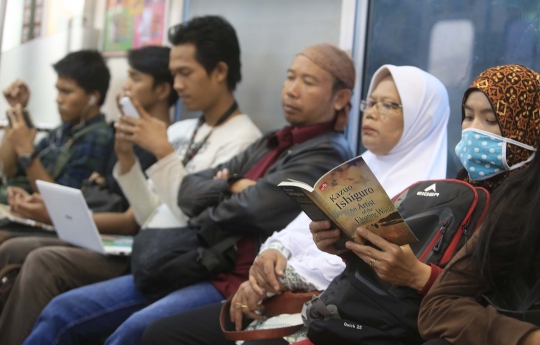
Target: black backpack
x=443, y=214
x=359, y=308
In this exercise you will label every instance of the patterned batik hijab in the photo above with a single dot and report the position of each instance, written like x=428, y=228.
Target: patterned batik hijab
x=512, y=91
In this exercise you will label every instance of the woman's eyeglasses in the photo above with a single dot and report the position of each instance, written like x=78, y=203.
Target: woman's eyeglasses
x=384, y=108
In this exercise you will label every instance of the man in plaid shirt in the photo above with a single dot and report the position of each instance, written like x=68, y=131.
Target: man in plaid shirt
x=71, y=152
x=88, y=153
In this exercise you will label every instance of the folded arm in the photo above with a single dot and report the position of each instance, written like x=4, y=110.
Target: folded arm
x=264, y=207
x=201, y=190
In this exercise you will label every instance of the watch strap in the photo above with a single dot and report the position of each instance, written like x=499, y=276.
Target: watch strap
x=26, y=159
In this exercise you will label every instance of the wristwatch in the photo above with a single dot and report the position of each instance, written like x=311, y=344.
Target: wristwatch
x=26, y=159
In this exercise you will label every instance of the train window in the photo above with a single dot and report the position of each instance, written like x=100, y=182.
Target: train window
x=451, y=51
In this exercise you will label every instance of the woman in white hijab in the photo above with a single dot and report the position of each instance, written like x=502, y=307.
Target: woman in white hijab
x=420, y=151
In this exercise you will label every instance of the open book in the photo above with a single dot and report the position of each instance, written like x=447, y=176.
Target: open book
x=350, y=196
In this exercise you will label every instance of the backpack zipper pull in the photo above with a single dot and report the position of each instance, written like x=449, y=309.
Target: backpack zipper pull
x=437, y=246
x=466, y=232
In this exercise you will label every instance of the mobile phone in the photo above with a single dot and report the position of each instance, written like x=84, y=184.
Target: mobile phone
x=26, y=117
x=128, y=108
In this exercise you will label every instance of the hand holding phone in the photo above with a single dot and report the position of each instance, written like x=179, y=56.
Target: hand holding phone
x=26, y=117
x=128, y=108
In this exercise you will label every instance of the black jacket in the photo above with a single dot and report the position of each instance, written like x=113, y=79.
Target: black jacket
x=263, y=208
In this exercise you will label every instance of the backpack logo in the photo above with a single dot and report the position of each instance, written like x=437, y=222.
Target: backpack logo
x=430, y=191
x=433, y=187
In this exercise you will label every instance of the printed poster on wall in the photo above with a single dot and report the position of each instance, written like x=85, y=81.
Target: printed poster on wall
x=131, y=24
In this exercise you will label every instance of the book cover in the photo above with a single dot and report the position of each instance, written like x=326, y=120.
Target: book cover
x=350, y=196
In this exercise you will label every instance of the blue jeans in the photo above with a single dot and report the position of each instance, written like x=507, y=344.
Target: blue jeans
x=91, y=313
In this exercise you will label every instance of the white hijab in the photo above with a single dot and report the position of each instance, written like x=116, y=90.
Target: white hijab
x=421, y=151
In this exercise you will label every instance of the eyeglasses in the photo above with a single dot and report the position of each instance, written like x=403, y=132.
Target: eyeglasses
x=384, y=108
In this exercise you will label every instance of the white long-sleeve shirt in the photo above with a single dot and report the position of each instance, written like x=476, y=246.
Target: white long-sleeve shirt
x=295, y=242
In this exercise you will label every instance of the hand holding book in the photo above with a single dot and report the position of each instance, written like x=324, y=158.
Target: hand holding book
x=325, y=236
x=394, y=264
x=350, y=196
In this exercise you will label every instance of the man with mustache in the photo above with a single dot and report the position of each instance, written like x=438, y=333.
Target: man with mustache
x=238, y=197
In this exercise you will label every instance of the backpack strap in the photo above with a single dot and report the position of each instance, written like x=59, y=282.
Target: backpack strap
x=66, y=152
x=327, y=311
x=533, y=296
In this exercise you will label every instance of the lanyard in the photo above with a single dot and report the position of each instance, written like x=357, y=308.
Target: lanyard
x=194, y=148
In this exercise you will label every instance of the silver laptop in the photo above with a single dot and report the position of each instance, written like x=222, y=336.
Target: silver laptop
x=74, y=223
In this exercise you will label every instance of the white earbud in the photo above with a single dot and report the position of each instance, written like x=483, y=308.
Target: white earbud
x=91, y=101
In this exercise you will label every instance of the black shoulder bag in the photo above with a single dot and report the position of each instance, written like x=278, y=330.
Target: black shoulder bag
x=101, y=199
x=165, y=260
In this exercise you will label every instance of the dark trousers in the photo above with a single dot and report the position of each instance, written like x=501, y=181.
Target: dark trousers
x=437, y=342
x=195, y=327
x=50, y=267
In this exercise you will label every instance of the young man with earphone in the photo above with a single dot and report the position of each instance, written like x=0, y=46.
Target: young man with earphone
x=72, y=151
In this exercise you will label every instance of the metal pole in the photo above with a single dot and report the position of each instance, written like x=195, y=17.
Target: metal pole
x=359, y=47
x=3, y=6
x=69, y=35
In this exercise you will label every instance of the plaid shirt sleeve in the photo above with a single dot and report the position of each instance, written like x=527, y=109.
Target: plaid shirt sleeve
x=89, y=153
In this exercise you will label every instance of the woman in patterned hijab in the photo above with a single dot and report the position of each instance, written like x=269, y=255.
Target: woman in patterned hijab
x=512, y=92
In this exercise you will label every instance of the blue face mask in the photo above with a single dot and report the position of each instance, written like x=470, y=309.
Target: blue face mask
x=483, y=154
